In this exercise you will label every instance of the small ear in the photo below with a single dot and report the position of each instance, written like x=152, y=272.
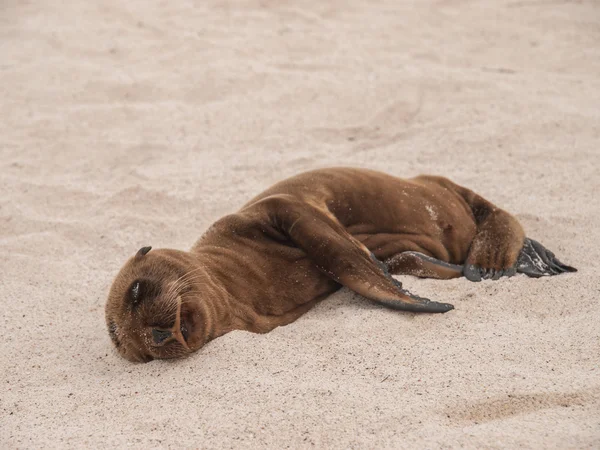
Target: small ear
x=142, y=251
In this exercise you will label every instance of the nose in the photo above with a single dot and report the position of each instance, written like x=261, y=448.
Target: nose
x=159, y=336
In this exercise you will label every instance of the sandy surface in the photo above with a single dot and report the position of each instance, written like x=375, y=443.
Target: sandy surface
x=127, y=123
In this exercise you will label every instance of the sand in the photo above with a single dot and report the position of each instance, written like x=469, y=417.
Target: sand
x=137, y=123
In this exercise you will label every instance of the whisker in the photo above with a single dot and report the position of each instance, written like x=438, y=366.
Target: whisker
x=181, y=284
x=182, y=277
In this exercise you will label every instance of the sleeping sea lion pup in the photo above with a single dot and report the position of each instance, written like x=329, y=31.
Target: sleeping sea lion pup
x=301, y=240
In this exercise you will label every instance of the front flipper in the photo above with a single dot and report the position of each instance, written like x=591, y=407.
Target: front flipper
x=340, y=256
x=536, y=261
x=385, y=268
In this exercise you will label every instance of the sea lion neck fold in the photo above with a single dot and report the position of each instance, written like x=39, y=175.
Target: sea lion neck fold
x=302, y=239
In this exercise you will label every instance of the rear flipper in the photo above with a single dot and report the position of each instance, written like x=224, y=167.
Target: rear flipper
x=423, y=266
x=536, y=261
x=473, y=272
x=498, y=238
x=499, y=247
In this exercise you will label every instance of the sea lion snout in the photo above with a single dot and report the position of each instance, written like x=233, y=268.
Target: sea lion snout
x=154, y=304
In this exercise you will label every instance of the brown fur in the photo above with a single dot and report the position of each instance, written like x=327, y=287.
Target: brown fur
x=297, y=242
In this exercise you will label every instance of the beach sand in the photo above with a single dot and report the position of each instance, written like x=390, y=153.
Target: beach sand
x=137, y=123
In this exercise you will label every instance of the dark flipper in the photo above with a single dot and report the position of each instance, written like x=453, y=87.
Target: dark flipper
x=536, y=261
x=409, y=256
x=473, y=272
x=341, y=257
x=424, y=266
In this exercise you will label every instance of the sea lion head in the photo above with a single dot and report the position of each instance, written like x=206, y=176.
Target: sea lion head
x=152, y=309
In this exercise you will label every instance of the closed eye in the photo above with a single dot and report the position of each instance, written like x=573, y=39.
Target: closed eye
x=142, y=290
x=135, y=291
